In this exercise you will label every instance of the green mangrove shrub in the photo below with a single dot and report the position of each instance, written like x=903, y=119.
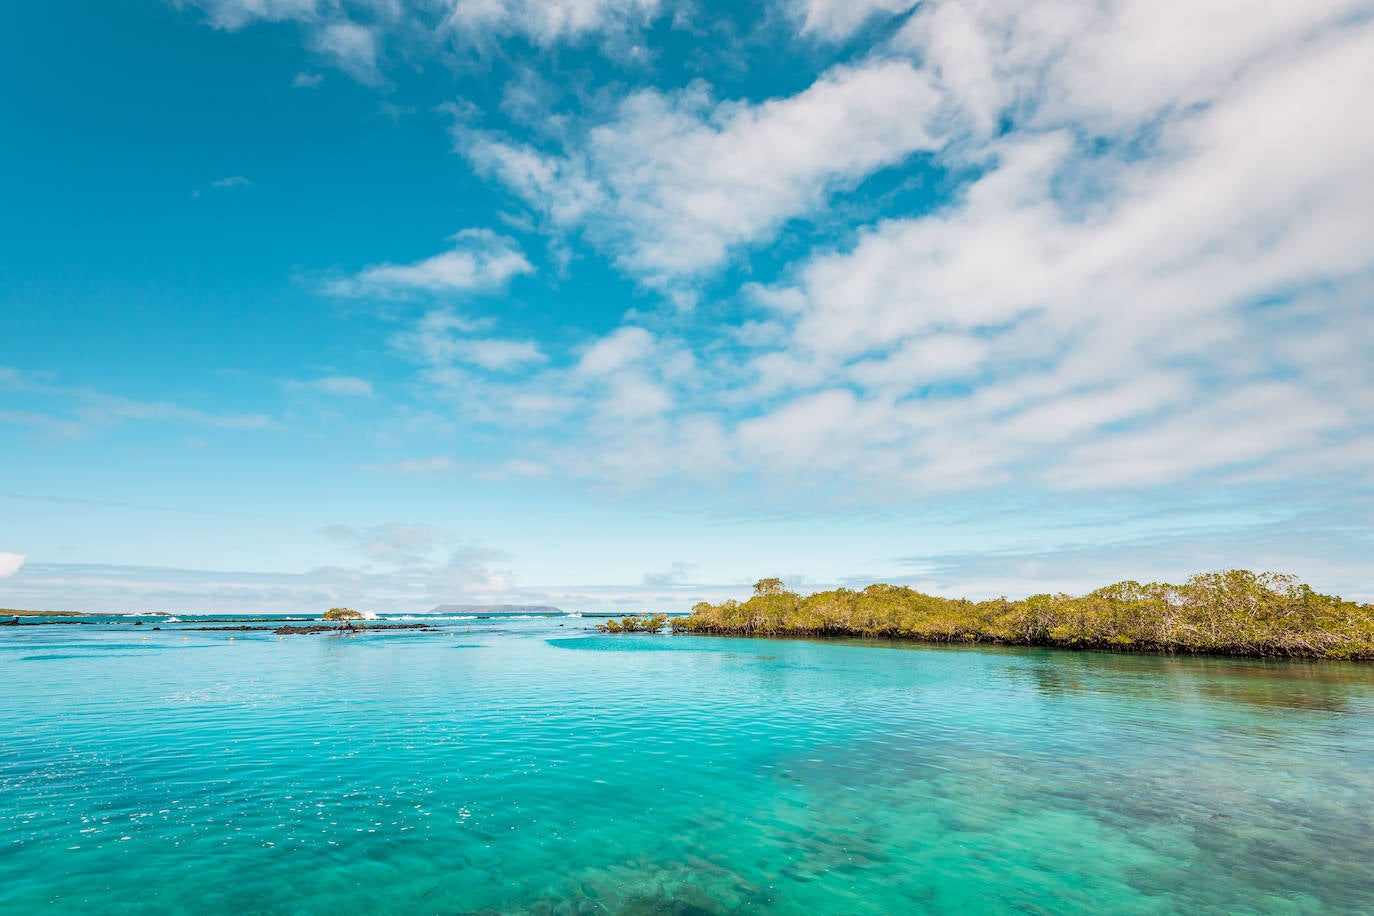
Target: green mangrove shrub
x=1233, y=612
x=644, y=623
x=344, y=616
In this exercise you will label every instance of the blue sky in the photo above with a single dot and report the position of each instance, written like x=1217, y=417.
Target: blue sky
x=627, y=303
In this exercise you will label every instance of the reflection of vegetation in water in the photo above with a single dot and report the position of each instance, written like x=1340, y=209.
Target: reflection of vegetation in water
x=1267, y=683
x=1230, y=613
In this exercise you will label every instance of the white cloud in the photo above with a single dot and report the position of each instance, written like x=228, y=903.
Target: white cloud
x=1086, y=313
x=1141, y=256
x=497, y=355
x=938, y=357
x=10, y=563
x=1095, y=70
x=479, y=259
x=235, y=14
x=630, y=376
x=623, y=347
x=350, y=47
x=329, y=32
x=836, y=20
x=547, y=22
x=233, y=181
x=443, y=338
x=344, y=386
x=676, y=181
x=350, y=35
x=558, y=186
x=1100, y=306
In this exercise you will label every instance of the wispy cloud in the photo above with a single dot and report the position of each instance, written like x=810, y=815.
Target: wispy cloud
x=76, y=411
x=443, y=338
x=479, y=260
x=461, y=576
x=431, y=561
x=353, y=36
x=104, y=410
x=350, y=47
x=235, y=14
x=1134, y=288
x=393, y=542
x=307, y=80
x=412, y=467
x=343, y=386
x=674, y=575
x=835, y=20
x=547, y=22
x=677, y=181
x=233, y=181
x=52, y=426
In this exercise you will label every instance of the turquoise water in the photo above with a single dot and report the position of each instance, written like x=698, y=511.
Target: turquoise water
x=524, y=766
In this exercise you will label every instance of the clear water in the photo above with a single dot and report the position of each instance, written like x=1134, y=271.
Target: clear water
x=524, y=766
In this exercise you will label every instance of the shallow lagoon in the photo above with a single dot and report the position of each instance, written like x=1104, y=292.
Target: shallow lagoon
x=524, y=766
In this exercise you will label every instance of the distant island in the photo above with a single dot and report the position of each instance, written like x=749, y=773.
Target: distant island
x=1235, y=612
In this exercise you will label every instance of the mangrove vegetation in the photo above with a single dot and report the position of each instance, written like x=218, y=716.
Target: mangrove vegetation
x=345, y=617
x=1235, y=612
x=646, y=623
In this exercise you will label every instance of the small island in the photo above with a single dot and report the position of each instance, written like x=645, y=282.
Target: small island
x=644, y=623
x=1235, y=612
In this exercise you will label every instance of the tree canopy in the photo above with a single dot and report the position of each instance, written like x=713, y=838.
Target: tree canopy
x=646, y=623
x=344, y=615
x=769, y=587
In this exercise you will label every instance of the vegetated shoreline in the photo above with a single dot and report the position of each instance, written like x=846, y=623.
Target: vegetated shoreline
x=1231, y=613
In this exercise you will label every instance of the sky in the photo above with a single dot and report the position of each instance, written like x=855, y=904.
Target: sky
x=624, y=304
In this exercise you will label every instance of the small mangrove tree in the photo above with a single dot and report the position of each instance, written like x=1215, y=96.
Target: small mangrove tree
x=645, y=623
x=344, y=616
